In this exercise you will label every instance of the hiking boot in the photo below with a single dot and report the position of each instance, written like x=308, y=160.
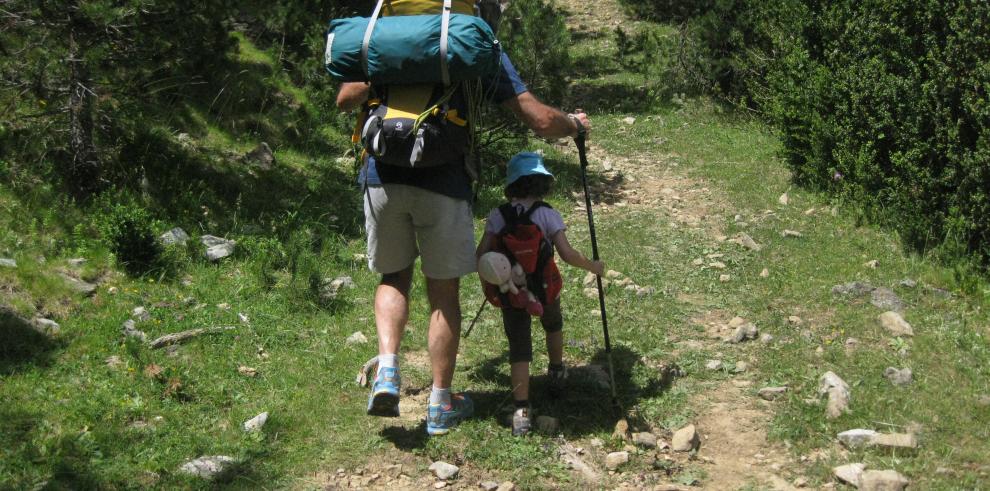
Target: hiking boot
x=557, y=381
x=384, y=399
x=440, y=419
x=521, y=423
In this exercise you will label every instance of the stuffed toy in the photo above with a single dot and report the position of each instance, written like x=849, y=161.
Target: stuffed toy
x=494, y=268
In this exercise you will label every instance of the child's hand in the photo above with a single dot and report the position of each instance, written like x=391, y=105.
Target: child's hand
x=597, y=267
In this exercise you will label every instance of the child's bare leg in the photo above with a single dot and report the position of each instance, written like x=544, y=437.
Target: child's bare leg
x=520, y=380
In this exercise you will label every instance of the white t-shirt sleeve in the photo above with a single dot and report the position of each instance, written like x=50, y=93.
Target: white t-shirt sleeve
x=550, y=221
x=495, y=222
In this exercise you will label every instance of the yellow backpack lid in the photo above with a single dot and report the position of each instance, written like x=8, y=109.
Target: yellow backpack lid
x=425, y=7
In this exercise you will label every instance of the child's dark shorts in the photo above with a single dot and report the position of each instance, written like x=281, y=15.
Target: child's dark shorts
x=517, y=324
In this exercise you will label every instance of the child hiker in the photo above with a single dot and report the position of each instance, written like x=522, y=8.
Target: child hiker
x=526, y=182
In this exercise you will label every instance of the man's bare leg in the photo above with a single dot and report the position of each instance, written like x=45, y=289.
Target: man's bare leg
x=391, y=314
x=445, y=328
x=392, y=310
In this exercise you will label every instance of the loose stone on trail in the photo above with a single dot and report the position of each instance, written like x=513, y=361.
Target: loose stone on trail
x=887, y=480
x=46, y=327
x=895, y=440
x=645, y=440
x=765, y=273
x=714, y=365
x=685, y=439
x=791, y=234
x=886, y=299
x=217, y=248
x=872, y=264
x=741, y=367
x=853, y=289
x=857, y=438
x=896, y=376
x=357, y=338
x=591, y=292
x=175, y=236
x=209, y=467
x=247, y=371
x=850, y=473
x=771, y=393
x=838, y=394
x=129, y=330
x=330, y=288
x=79, y=286
x=784, y=199
x=256, y=423
x=746, y=241
x=8, y=263
x=444, y=470
x=615, y=460
x=895, y=324
x=140, y=314
x=489, y=485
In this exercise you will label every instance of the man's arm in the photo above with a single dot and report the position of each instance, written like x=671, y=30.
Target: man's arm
x=352, y=95
x=544, y=120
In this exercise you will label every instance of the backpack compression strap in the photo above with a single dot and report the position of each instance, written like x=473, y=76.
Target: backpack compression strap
x=444, y=30
x=513, y=217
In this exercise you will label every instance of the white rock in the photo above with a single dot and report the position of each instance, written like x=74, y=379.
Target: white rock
x=47, y=327
x=256, y=423
x=857, y=438
x=357, y=338
x=645, y=439
x=208, y=467
x=141, y=314
x=615, y=460
x=698, y=262
x=489, y=485
x=784, y=199
x=895, y=440
x=838, y=394
x=887, y=480
x=746, y=241
x=850, y=473
x=218, y=248
x=897, y=376
x=741, y=367
x=645, y=291
x=795, y=320
x=8, y=263
x=629, y=120
x=613, y=274
x=765, y=273
x=871, y=264
x=791, y=234
x=591, y=292
x=444, y=470
x=506, y=486
x=725, y=278
x=174, y=236
x=590, y=279
x=766, y=338
x=717, y=265
x=685, y=439
x=895, y=324
x=714, y=365
x=131, y=331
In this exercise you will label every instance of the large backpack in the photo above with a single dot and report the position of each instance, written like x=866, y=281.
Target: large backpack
x=523, y=243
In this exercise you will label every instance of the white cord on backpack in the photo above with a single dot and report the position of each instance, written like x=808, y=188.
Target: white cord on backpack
x=444, y=28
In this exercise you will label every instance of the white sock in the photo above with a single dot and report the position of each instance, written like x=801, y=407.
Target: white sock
x=388, y=361
x=440, y=396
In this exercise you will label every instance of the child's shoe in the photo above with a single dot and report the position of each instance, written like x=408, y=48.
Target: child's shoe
x=521, y=424
x=440, y=419
x=557, y=379
x=384, y=398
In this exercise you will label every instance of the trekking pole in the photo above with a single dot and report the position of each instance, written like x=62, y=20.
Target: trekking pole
x=468, y=332
x=579, y=140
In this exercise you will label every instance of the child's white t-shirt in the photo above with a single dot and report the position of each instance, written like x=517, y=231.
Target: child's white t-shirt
x=547, y=219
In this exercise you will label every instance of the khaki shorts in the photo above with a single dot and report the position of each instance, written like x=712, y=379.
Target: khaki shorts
x=405, y=221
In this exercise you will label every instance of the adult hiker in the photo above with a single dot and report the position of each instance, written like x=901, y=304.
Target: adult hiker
x=425, y=211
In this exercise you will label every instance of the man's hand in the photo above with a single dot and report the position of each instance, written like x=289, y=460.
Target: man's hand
x=579, y=117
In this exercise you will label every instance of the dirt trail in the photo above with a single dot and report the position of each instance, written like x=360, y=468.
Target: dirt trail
x=732, y=422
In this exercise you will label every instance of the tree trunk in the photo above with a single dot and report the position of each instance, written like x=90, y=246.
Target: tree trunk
x=84, y=171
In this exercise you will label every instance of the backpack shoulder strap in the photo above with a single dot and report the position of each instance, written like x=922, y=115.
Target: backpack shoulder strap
x=536, y=205
x=509, y=215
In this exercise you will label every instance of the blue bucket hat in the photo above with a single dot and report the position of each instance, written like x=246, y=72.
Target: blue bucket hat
x=525, y=164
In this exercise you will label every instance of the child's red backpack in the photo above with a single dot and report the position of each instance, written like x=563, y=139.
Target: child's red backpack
x=523, y=243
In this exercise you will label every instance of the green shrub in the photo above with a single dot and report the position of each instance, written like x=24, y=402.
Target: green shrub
x=129, y=232
x=884, y=103
x=534, y=35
